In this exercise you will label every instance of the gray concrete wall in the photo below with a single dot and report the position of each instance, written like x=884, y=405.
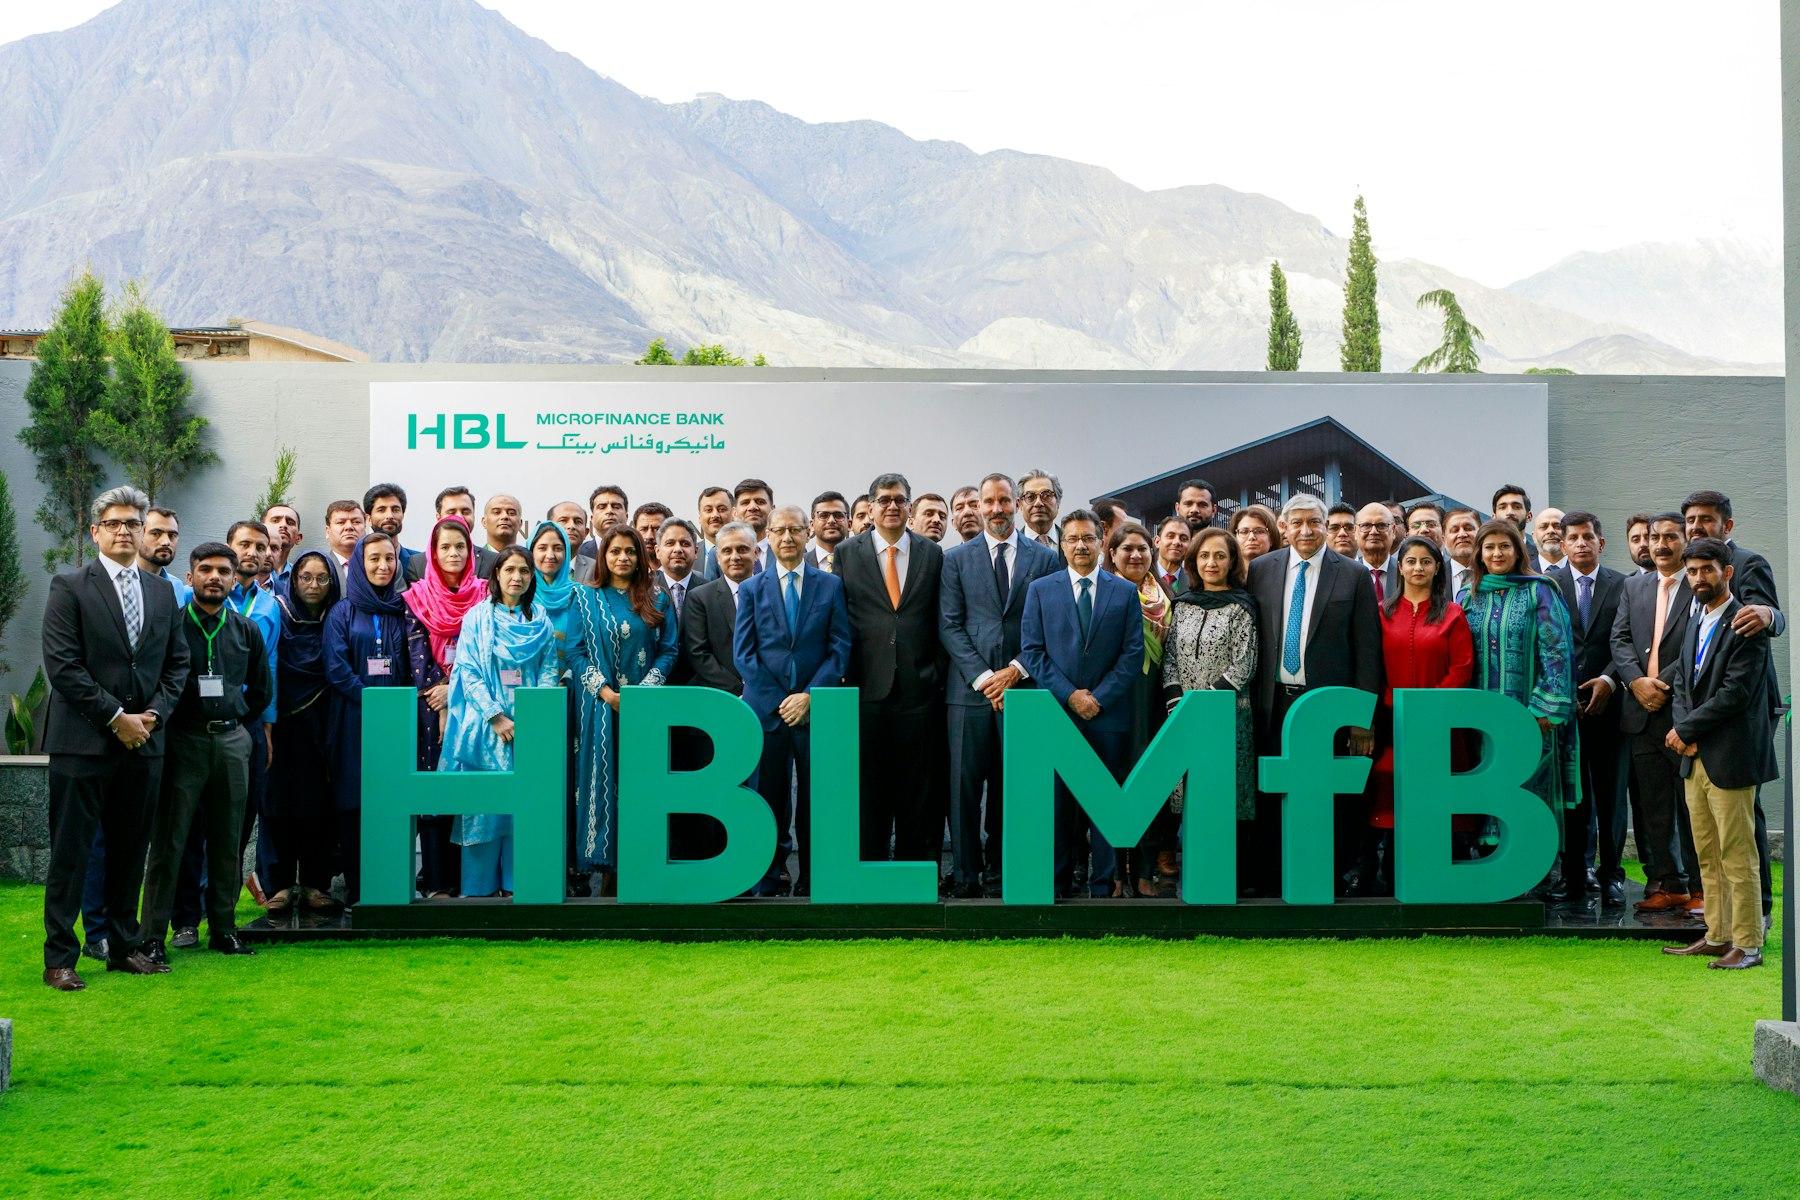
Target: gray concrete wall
x=1618, y=444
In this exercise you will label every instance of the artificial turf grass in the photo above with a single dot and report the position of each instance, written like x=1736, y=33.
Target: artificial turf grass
x=1444, y=1067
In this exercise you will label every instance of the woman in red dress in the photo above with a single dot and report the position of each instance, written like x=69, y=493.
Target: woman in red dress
x=1426, y=643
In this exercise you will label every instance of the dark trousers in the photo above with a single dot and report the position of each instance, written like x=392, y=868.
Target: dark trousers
x=207, y=777
x=298, y=812
x=894, y=776
x=1077, y=837
x=349, y=849
x=1602, y=808
x=93, y=895
x=440, y=859
x=89, y=794
x=191, y=881
x=975, y=766
x=784, y=781
x=693, y=836
x=1660, y=810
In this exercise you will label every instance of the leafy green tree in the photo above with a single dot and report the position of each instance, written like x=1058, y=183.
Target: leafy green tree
x=759, y=361
x=657, y=354
x=1361, y=345
x=68, y=383
x=1548, y=371
x=145, y=423
x=276, y=490
x=710, y=356
x=12, y=571
x=1456, y=354
x=1284, y=330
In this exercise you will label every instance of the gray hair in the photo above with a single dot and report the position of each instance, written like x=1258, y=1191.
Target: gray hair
x=1035, y=473
x=742, y=527
x=1002, y=477
x=123, y=496
x=798, y=512
x=1302, y=500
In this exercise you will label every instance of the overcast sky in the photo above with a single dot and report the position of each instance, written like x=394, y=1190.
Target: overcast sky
x=1490, y=138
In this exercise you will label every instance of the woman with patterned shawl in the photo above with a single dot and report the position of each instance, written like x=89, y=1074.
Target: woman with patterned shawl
x=1524, y=648
x=1131, y=553
x=627, y=637
x=558, y=594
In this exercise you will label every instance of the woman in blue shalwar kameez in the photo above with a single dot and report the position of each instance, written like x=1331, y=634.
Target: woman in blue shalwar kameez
x=627, y=637
x=505, y=645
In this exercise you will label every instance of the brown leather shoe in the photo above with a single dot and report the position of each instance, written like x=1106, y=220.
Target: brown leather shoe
x=1738, y=960
x=136, y=963
x=1662, y=902
x=63, y=979
x=1701, y=948
x=1696, y=905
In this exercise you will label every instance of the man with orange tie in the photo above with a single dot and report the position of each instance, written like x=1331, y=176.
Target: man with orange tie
x=891, y=586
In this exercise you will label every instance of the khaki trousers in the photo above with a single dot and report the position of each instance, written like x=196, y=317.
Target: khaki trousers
x=1725, y=843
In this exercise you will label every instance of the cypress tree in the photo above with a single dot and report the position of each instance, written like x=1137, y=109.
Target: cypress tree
x=145, y=423
x=12, y=571
x=1361, y=348
x=1284, y=330
x=68, y=383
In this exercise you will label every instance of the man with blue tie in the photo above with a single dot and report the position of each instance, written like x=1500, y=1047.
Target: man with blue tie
x=1082, y=639
x=982, y=607
x=792, y=635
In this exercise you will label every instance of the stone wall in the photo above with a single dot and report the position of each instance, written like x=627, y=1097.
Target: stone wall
x=24, y=817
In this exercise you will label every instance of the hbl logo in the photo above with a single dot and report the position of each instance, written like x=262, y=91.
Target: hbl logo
x=463, y=431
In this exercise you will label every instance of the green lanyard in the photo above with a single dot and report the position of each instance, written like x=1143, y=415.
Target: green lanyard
x=194, y=617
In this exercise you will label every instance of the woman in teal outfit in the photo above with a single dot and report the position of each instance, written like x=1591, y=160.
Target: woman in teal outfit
x=556, y=588
x=625, y=636
x=1524, y=649
x=505, y=645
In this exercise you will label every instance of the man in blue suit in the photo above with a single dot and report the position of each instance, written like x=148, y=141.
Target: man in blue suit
x=982, y=606
x=792, y=635
x=1082, y=639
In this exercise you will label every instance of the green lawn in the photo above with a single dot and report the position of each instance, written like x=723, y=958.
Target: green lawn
x=1445, y=1068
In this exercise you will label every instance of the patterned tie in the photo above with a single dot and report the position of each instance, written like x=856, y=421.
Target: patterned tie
x=1084, y=607
x=825, y=564
x=892, y=572
x=1584, y=599
x=679, y=588
x=1376, y=573
x=128, y=600
x=793, y=599
x=1044, y=540
x=1002, y=576
x=1662, y=615
x=1290, y=642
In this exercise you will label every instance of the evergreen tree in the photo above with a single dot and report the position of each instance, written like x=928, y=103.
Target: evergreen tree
x=12, y=571
x=1284, y=330
x=275, y=491
x=68, y=383
x=1456, y=354
x=1361, y=347
x=656, y=354
x=145, y=423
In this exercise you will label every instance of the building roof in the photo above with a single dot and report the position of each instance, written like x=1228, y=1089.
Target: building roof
x=244, y=327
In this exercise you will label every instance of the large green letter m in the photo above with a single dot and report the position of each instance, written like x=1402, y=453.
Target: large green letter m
x=1041, y=744
x=532, y=793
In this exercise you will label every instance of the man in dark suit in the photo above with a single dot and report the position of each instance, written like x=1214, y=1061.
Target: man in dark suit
x=1652, y=618
x=116, y=663
x=1375, y=541
x=830, y=526
x=981, y=605
x=1708, y=514
x=1592, y=592
x=1172, y=539
x=708, y=626
x=1724, y=731
x=891, y=579
x=1082, y=639
x=792, y=635
x=1317, y=626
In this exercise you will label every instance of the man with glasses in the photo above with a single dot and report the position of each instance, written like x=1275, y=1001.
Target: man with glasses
x=117, y=664
x=1340, y=529
x=1317, y=626
x=830, y=526
x=1374, y=548
x=891, y=578
x=1040, y=499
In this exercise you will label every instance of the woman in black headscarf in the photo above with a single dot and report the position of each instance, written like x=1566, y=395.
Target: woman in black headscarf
x=302, y=827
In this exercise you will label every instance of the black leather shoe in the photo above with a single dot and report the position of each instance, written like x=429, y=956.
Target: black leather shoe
x=155, y=953
x=231, y=943
x=969, y=890
x=186, y=938
x=1614, y=896
x=136, y=964
x=96, y=951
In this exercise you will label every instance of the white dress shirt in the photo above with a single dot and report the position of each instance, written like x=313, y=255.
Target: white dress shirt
x=1011, y=542
x=1298, y=678
x=1075, y=578
x=1704, y=634
x=905, y=558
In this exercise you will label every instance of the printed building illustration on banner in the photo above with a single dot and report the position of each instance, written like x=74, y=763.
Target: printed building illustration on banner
x=1323, y=458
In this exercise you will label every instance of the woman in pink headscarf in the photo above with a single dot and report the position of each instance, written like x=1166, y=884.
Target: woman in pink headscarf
x=435, y=607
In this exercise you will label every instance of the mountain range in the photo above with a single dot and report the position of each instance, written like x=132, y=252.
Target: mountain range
x=423, y=180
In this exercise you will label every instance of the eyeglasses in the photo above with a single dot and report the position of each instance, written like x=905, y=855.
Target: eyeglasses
x=831, y=516
x=1032, y=497
x=890, y=502
x=1366, y=526
x=778, y=530
x=114, y=524
x=1081, y=539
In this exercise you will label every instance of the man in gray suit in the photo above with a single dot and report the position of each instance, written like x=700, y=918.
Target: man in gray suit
x=981, y=604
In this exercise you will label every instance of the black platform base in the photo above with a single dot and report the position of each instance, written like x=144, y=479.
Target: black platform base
x=797, y=919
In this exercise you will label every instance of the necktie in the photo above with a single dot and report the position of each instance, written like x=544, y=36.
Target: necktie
x=825, y=564
x=1376, y=573
x=1290, y=642
x=1584, y=598
x=1044, y=540
x=128, y=600
x=892, y=572
x=792, y=598
x=679, y=590
x=1084, y=606
x=1662, y=615
x=1002, y=576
